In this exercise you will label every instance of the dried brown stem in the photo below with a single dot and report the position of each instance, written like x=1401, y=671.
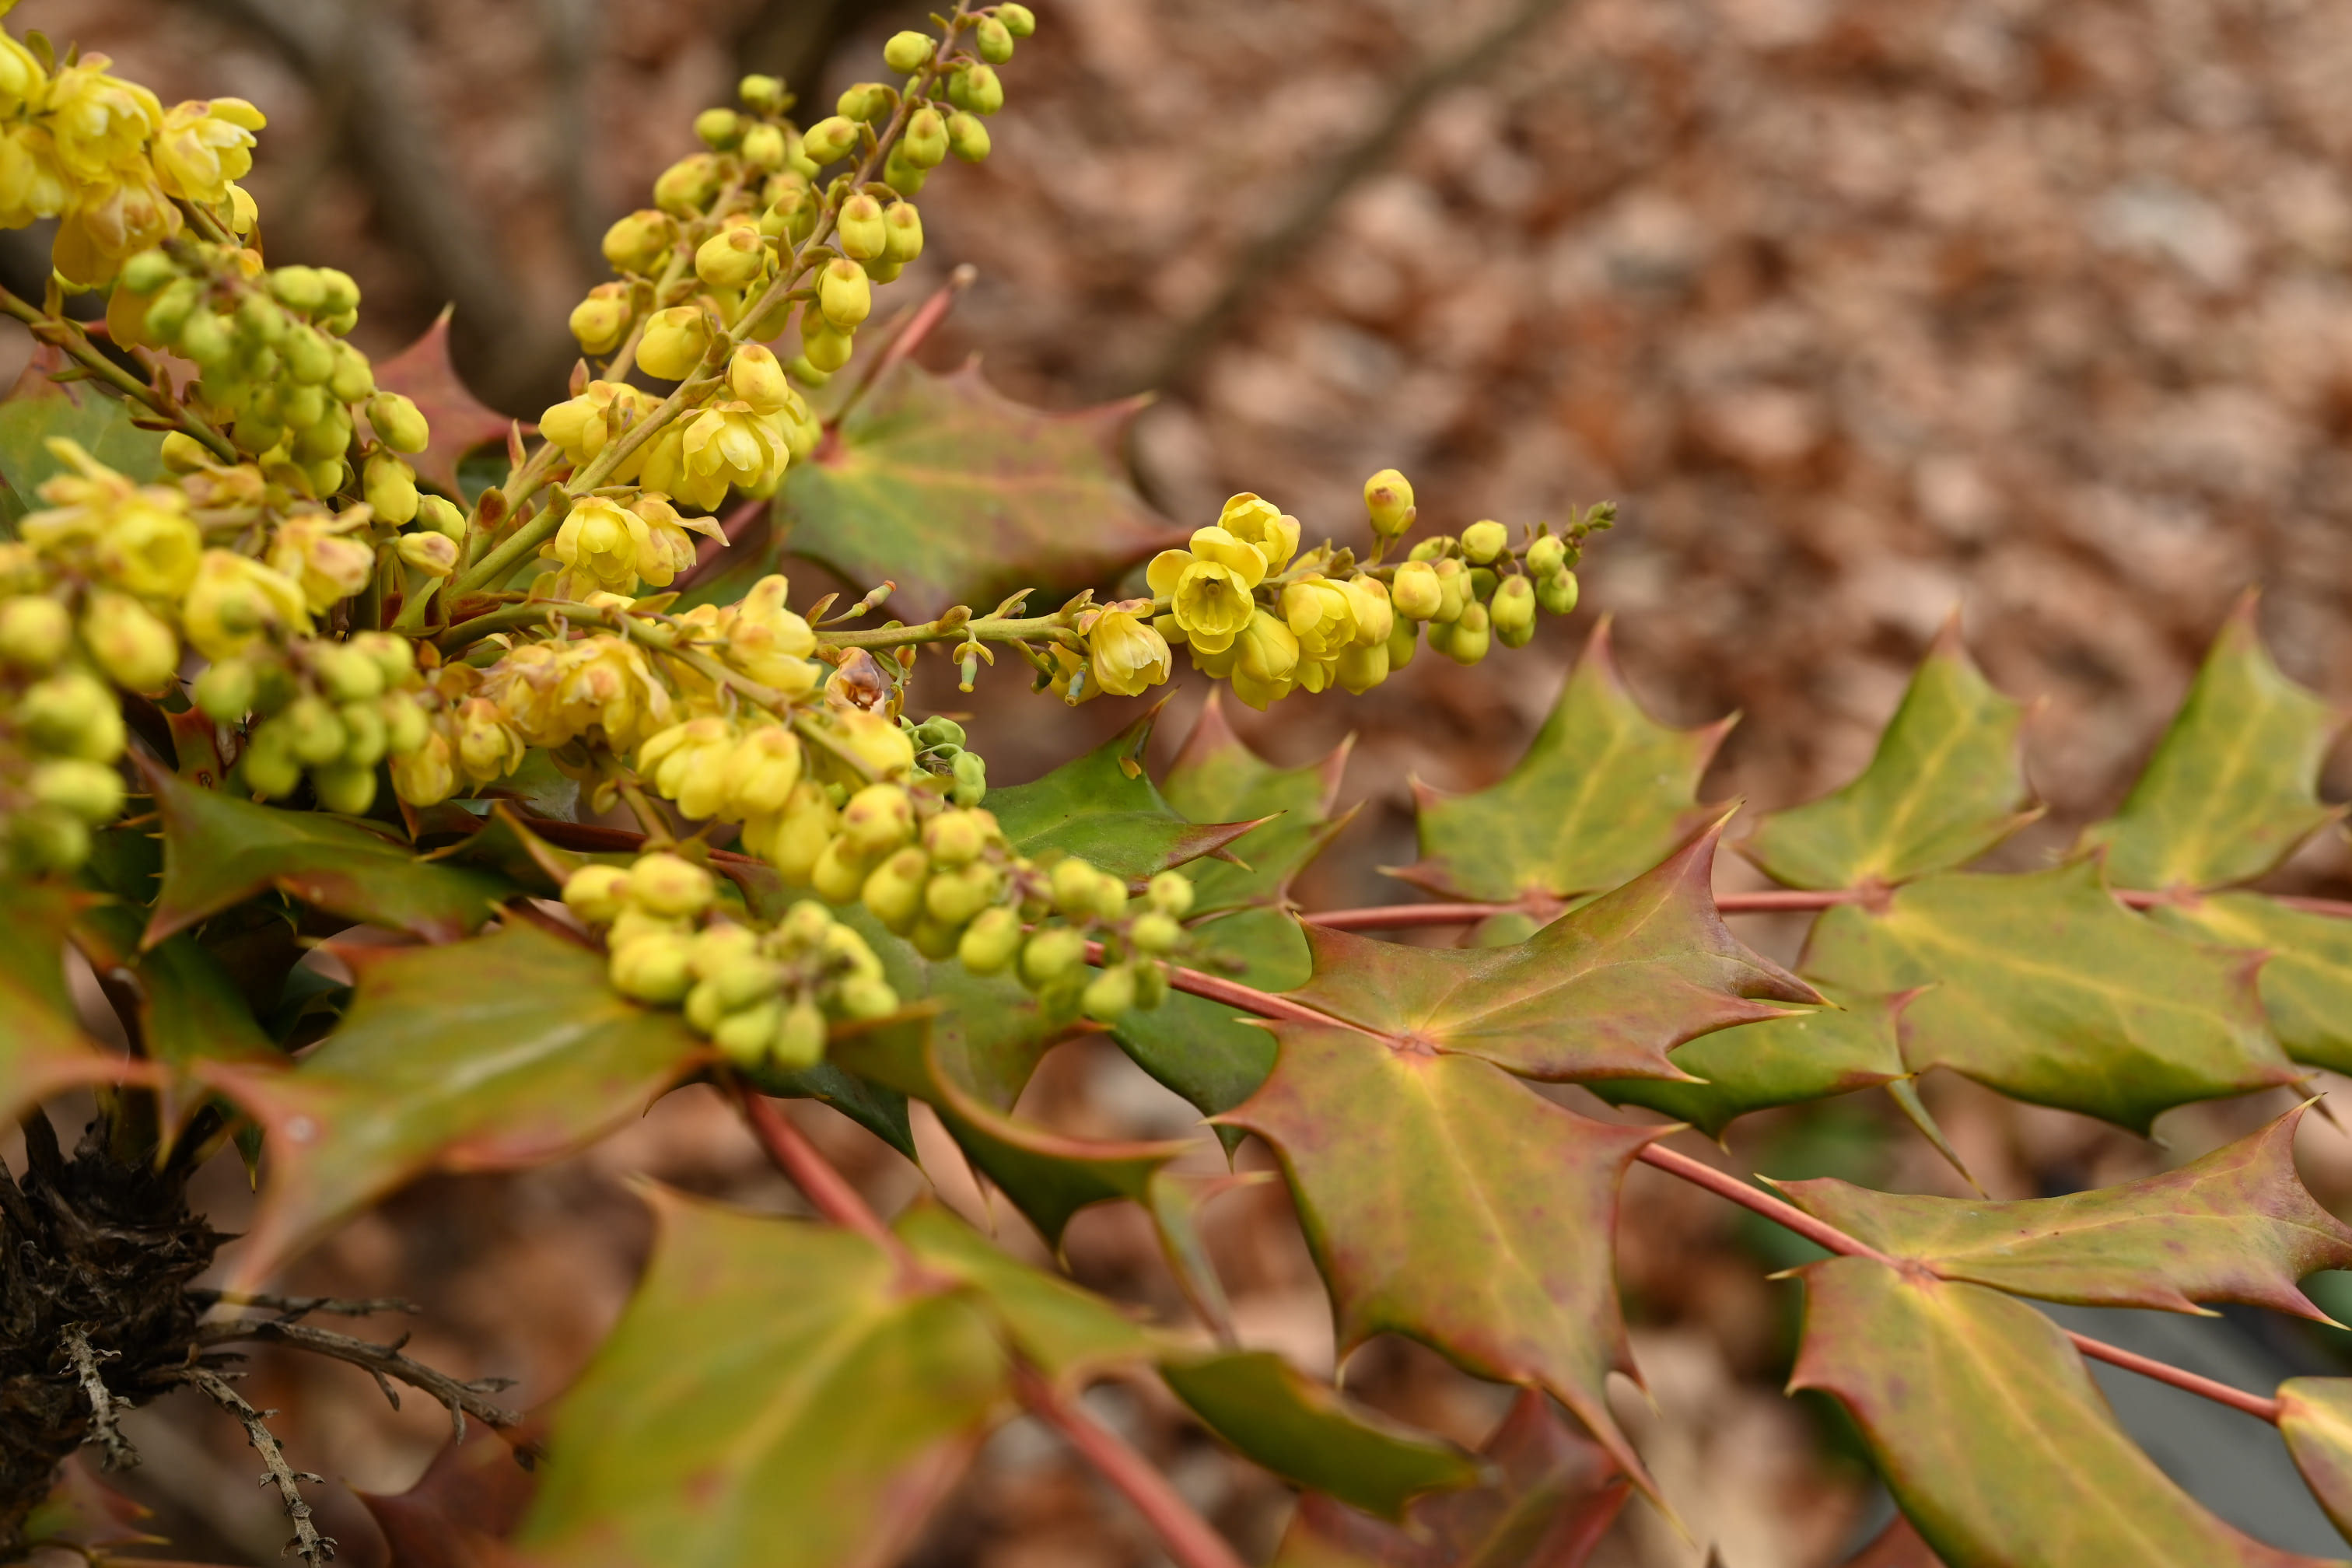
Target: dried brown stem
x=384, y=1362
x=290, y=1308
x=105, y=1409
x=313, y=1548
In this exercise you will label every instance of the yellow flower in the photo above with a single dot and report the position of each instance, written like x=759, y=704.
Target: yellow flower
x=33, y=185
x=762, y=771
x=1209, y=586
x=425, y=776
x=310, y=549
x=1255, y=521
x=233, y=600
x=1128, y=657
x=674, y=342
x=1265, y=662
x=101, y=123
x=1321, y=615
x=581, y=426
x=107, y=223
x=769, y=643
x=667, y=551
x=601, y=541
x=203, y=145
x=608, y=682
x=21, y=76
x=1073, y=680
x=728, y=445
x=688, y=762
x=523, y=684
x=1375, y=616
x=150, y=547
x=487, y=746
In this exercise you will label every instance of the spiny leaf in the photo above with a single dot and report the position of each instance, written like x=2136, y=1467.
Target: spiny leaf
x=1103, y=806
x=2233, y=785
x=470, y=1498
x=1216, y=778
x=774, y=1397
x=2306, y=981
x=1068, y=1332
x=1205, y=1051
x=1945, y=785
x=1984, y=1422
x=2043, y=986
x=219, y=851
x=84, y=1515
x=1604, y=793
x=960, y=495
x=423, y=374
x=1605, y=991
x=2236, y=1225
x=1445, y=1201
x=1805, y=1056
x=2316, y=1419
x=505, y=1051
x=39, y=408
x=42, y=1047
x=190, y=1009
x=1307, y=1433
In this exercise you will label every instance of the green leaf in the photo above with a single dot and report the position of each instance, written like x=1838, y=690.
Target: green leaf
x=1806, y=1056
x=1213, y=1054
x=1217, y=779
x=1446, y=1201
x=2306, y=981
x=881, y=1111
x=2233, y=785
x=189, y=1006
x=1309, y=1433
x=1066, y=1331
x=38, y=408
x=2044, y=987
x=42, y=1048
x=1946, y=785
x=2316, y=1419
x=1605, y=792
x=775, y=1396
x=219, y=851
x=505, y=1051
x=1605, y=991
x=1102, y=805
x=1984, y=1422
x=960, y=495
x=2236, y=1225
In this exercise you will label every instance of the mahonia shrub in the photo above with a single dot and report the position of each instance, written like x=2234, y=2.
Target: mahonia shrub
x=291, y=644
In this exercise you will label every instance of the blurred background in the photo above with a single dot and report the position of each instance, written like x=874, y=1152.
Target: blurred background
x=1866, y=311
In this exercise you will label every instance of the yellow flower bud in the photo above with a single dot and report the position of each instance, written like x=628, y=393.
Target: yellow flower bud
x=924, y=143
x=953, y=897
x=641, y=242
x=35, y=632
x=756, y=377
x=958, y=838
x=665, y=884
x=1109, y=995
x=762, y=771
x=313, y=731
x=764, y=94
x=967, y=137
x=879, y=818
x=688, y=762
x=1483, y=542
x=391, y=487
x=976, y=88
x=1454, y=589
x=425, y=776
x=904, y=232
x=825, y=350
x=1018, y=20
x=1258, y=522
x=600, y=321
x=870, y=101
x=688, y=185
x=1388, y=500
x=1265, y=660
x=1321, y=615
x=1513, y=611
x=1052, y=953
x=875, y=741
x=1470, y=637
x=1557, y=593
x=225, y=690
x=675, y=342
x=764, y=147
x=397, y=423
x=990, y=941
x=1546, y=555
x=134, y=647
x=718, y=129
x=1416, y=593
x=1127, y=656
x=653, y=968
x=734, y=258
x=233, y=600
x=90, y=790
x=908, y=52
x=72, y=715
x=435, y=554
x=441, y=516
x=994, y=40
x=844, y=294
x=807, y=824
x=829, y=140
x=859, y=230
x=1361, y=669
x=893, y=892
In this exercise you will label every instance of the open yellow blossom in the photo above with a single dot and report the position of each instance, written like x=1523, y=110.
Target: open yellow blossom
x=233, y=600
x=101, y=123
x=728, y=445
x=426, y=775
x=580, y=426
x=488, y=745
x=769, y=643
x=1208, y=587
x=21, y=76
x=1375, y=616
x=601, y=541
x=667, y=551
x=1127, y=656
x=202, y=145
x=688, y=762
x=139, y=536
x=1255, y=521
x=1262, y=663
x=607, y=683
x=311, y=550
x=33, y=184
x=108, y=222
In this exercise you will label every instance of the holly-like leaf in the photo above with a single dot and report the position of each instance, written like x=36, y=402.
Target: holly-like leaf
x=501, y=1052
x=1984, y=1422
x=423, y=374
x=1211, y=1054
x=1216, y=778
x=1805, y=1056
x=1309, y=1433
x=2044, y=987
x=1103, y=806
x=1446, y=1201
x=1946, y=785
x=775, y=1396
x=1066, y=1331
x=2306, y=981
x=960, y=495
x=1605, y=792
x=38, y=408
x=42, y=1048
x=2316, y=1419
x=469, y=1499
x=2236, y=1225
x=189, y=1006
x=1604, y=991
x=2233, y=785
x=83, y=1515
x=219, y=851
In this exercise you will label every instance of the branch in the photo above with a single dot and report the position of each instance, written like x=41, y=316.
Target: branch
x=1189, y=1538
x=827, y=1189
x=1768, y=900
x=105, y=1409
x=382, y=1362
x=292, y=1306
x=69, y=336
x=314, y=1548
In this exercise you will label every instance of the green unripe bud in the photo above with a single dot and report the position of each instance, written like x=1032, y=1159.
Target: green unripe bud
x=313, y=733
x=205, y=338
x=971, y=785
x=687, y=185
x=353, y=380
x=435, y=554
x=956, y=838
x=50, y=840
x=1150, y=984
x=860, y=231
x=1483, y=542
x=823, y=349
x=703, y=1013
x=259, y=324
x=1546, y=555
x=866, y=997
x=978, y=89
x=1388, y=501
x=1110, y=995
x=901, y=174
x=340, y=291
x=799, y=1041
x=225, y=690
x=640, y=242
x=405, y=728
x=441, y=515
x=932, y=940
x=989, y=943
x=665, y=884
x=1416, y=592
x=135, y=648
x=992, y=40
x=301, y=405
x=741, y=982
x=1431, y=549
x=764, y=94
x=270, y=766
x=1019, y=20
x=925, y=140
x=938, y=730
x=302, y=289
x=879, y=818
x=967, y=137
x=1050, y=954
x=829, y=140
x=954, y=897
x=734, y=258
x=147, y=271
x=1361, y=669
x=1076, y=886
x=397, y=423
x=34, y=631
x=653, y=968
x=1170, y=892
x=1557, y=593
x=345, y=787
x=171, y=310
x=1155, y=933
x=72, y=715
x=1454, y=589
x=902, y=232
x=839, y=874
x=1471, y=635
x=391, y=487
x=719, y=129
x=340, y=324
x=597, y=894
x=843, y=295
x=365, y=740
x=1514, y=611
x=331, y=436
x=868, y=102
x=91, y=791
x=908, y=53
x=894, y=889
x=307, y=355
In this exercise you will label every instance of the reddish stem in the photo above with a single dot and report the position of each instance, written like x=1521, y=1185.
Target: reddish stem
x=1768, y=900
x=811, y=1171
x=1188, y=1537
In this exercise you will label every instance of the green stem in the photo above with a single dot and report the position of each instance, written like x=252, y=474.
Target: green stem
x=68, y=335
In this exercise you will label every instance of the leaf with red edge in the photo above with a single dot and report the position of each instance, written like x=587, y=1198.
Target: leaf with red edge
x=506, y=1051
x=83, y=1513
x=1216, y=778
x=40, y=406
x=946, y=486
x=219, y=851
x=470, y=1498
x=1984, y=1422
x=1803, y=1056
x=2316, y=1419
x=1605, y=991
x=1604, y=793
x=1448, y=1202
x=42, y=1048
x=423, y=374
x=2236, y=1225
